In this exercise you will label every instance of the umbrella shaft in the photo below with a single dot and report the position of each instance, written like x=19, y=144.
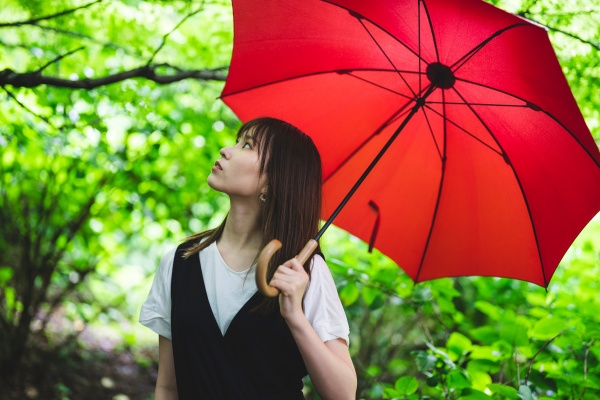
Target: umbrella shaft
x=420, y=102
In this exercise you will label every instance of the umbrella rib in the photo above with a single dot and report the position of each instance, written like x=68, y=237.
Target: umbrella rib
x=535, y=107
x=435, y=46
x=381, y=86
x=399, y=113
x=402, y=111
x=439, y=197
x=431, y=131
x=291, y=78
x=419, y=103
x=507, y=160
x=357, y=15
x=419, y=42
x=386, y=56
x=463, y=60
x=457, y=103
x=466, y=131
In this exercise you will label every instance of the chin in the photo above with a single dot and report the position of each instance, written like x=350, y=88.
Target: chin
x=210, y=183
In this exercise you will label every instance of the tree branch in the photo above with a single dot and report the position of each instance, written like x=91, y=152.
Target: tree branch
x=34, y=21
x=23, y=106
x=57, y=300
x=33, y=79
x=582, y=40
x=57, y=59
x=166, y=36
x=585, y=365
x=538, y=353
x=86, y=37
x=528, y=15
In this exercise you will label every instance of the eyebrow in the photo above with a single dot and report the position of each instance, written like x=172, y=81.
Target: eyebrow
x=248, y=136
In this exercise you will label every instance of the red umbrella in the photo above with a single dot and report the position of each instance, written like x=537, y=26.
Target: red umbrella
x=488, y=167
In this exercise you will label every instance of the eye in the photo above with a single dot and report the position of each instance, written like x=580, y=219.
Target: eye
x=247, y=146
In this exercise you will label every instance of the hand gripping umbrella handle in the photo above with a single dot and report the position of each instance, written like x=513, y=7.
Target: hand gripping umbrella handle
x=264, y=258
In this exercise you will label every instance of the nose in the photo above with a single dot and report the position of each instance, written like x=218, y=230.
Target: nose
x=224, y=152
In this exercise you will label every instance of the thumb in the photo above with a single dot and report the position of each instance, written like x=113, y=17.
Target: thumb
x=294, y=264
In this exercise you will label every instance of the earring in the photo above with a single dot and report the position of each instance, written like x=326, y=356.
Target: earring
x=263, y=197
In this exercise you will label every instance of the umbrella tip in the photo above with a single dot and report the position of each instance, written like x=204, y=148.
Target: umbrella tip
x=440, y=75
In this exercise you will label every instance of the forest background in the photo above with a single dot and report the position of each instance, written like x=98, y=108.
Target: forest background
x=109, y=125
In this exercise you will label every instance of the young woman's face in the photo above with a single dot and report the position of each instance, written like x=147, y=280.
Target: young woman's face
x=237, y=173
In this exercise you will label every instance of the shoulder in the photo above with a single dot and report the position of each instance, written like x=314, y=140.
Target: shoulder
x=322, y=305
x=319, y=271
x=165, y=266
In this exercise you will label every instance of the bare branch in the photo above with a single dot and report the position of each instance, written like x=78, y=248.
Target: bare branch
x=34, y=21
x=33, y=79
x=58, y=298
x=86, y=37
x=585, y=365
x=526, y=14
x=538, y=353
x=166, y=36
x=57, y=59
x=582, y=40
x=23, y=106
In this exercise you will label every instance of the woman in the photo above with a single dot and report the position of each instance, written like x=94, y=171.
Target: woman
x=218, y=337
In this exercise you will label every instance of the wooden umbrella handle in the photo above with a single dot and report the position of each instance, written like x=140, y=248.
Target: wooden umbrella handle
x=263, y=262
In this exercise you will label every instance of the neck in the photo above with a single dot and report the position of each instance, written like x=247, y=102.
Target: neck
x=242, y=229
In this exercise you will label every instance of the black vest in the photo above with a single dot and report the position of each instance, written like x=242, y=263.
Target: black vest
x=256, y=359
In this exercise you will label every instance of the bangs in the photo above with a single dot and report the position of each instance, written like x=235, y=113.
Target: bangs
x=258, y=132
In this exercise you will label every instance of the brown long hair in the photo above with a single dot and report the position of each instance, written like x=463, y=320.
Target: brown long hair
x=292, y=209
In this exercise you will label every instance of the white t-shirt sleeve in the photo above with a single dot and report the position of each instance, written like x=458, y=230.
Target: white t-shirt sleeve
x=322, y=305
x=156, y=310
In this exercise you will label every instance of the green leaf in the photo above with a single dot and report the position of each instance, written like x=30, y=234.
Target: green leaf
x=457, y=380
x=548, y=328
x=349, y=294
x=373, y=298
x=433, y=381
x=471, y=394
x=479, y=379
x=514, y=333
x=389, y=393
x=492, y=311
x=486, y=353
x=483, y=365
x=485, y=334
x=6, y=274
x=525, y=393
x=425, y=361
x=406, y=385
x=9, y=295
x=459, y=343
x=507, y=392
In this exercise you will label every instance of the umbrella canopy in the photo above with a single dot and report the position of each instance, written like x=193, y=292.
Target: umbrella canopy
x=493, y=171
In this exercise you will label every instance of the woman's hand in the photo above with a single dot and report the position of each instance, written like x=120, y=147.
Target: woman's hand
x=291, y=280
x=328, y=364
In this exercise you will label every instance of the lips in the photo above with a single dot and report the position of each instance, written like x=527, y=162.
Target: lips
x=218, y=166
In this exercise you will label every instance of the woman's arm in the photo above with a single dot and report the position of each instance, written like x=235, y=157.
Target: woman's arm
x=166, y=387
x=329, y=364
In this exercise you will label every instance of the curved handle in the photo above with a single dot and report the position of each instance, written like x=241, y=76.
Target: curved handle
x=264, y=258
x=261, y=269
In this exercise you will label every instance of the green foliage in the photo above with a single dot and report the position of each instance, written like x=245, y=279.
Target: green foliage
x=95, y=183
x=473, y=338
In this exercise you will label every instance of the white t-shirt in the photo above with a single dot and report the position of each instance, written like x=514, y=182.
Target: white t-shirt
x=229, y=290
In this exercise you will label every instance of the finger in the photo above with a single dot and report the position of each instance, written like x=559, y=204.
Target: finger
x=286, y=288
x=291, y=279
x=284, y=271
x=294, y=264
